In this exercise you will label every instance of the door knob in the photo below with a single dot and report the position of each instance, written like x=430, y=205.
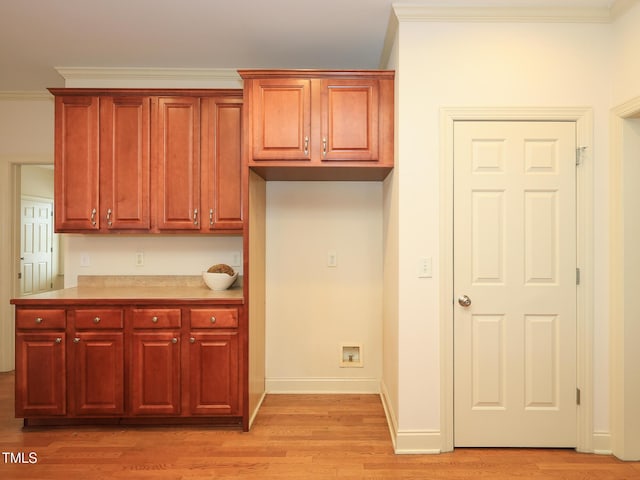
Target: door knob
x=464, y=301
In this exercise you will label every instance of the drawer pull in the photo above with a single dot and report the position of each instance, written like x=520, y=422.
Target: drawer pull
x=154, y=319
x=76, y=340
x=174, y=340
x=96, y=320
x=59, y=340
x=38, y=320
x=213, y=319
x=192, y=340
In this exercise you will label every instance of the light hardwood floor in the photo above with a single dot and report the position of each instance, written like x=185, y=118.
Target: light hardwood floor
x=295, y=437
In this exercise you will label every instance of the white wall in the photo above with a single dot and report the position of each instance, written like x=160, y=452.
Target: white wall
x=458, y=64
x=26, y=137
x=163, y=255
x=311, y=308
x=626, y=68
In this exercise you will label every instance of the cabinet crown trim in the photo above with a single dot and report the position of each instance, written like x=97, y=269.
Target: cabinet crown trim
x=313, y=73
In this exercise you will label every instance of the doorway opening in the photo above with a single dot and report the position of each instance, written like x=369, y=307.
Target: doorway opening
x=38, y=247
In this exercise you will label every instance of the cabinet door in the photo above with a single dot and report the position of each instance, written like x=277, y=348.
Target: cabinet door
x=214, y=380
x=98, y=373
x=41, y=386
x=76, y=163
x=124, y=162
x=222, y=162
x=176, y=152
x=281, y=119
x=155, y=373
x=349, y=120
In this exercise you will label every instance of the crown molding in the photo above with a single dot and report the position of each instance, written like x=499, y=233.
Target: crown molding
x=74, y=76
x=620, y=7
x=417, y=13
x=25, y=95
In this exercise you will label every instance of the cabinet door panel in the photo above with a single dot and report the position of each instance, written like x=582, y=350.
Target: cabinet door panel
x=177, y=155
x=213, y=363
x=40, y=374
x=124, y=162
x=76, y=163
x=350, y=119
x=98, y=373
x=155, y=373
x=282, y=119
x=223, y=189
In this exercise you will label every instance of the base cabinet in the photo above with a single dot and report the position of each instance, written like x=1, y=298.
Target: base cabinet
x=155, y=373
x=40, y=381
x=213, y=365
x=130, y=363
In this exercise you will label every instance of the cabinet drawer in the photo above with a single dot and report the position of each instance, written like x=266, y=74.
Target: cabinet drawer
x=156, y=317
x=214, y=318
x=98, y=318
x=41, y=319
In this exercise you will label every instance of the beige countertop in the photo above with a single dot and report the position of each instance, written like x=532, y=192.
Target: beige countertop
x=136, y=289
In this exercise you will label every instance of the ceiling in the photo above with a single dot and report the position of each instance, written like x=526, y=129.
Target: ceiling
x=38, y=35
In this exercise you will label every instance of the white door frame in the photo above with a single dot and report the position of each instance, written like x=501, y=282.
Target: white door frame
x=625, y=386
x=583, y=117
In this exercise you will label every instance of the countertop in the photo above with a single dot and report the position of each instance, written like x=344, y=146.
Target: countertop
x=136, y=289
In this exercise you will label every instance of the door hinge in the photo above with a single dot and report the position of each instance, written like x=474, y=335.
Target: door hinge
x=577, y=396
x=577, y=276
x=579, y=154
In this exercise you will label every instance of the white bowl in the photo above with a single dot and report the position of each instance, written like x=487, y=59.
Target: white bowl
x=219, y=281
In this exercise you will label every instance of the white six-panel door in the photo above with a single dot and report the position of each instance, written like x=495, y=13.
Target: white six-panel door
x=515, y=260
x=36, y=247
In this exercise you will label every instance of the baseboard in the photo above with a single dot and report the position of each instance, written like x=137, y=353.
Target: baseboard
x=409, y=442
x=322, y=385
x=602, y=443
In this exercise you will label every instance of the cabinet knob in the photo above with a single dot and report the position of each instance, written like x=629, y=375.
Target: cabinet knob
x=154, y=319
x=59, y=340
x=38, y=320
x=76, y=340
x=174, y=340
x=213, y=319
x=192, y=340
x=96, y=320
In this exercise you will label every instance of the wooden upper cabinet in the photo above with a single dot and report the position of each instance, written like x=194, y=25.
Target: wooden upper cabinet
x=125, y=163
x=222, y=172
x=176, y=149
x=349, y=120
x=281, y=119
x=76, y=163
x=341, y=121
x=148, y=161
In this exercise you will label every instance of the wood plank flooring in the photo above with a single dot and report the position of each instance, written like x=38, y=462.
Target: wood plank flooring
x=295, y=437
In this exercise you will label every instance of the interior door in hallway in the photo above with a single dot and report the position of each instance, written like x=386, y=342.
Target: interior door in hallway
x=515, y=284
x=36, y=239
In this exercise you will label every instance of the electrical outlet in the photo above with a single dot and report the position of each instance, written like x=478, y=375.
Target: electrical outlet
x=332, y=258
x=139, y=259
x=237, y=259
x=425, y=267
x=85, y=261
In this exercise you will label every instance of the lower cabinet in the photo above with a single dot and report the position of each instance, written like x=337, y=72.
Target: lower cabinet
x=213, y=366
x=129, y=362
x=96, y=362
